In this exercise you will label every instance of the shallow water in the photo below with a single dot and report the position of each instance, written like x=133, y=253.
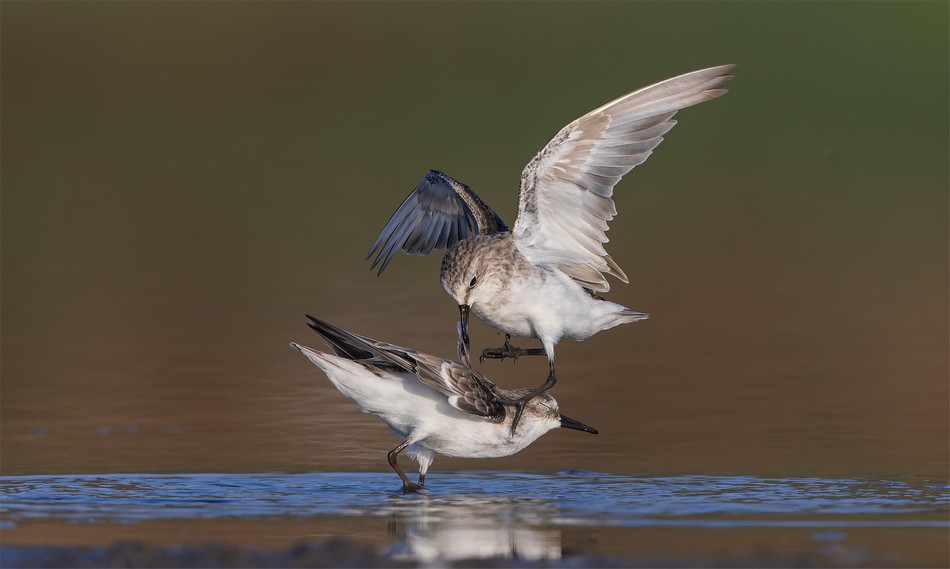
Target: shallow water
x=182, y=182
x=484, y=514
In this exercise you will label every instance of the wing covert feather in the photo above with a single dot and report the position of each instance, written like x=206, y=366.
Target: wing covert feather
x=467, y=390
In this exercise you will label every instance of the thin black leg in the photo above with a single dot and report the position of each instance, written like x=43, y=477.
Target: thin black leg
x=408, y=486
x=520, y=403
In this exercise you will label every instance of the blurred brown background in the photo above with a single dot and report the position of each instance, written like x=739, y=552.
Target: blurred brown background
x=181, y=182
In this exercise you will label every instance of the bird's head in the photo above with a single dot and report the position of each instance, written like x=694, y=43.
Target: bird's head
x=546, y=416
x=462, y=273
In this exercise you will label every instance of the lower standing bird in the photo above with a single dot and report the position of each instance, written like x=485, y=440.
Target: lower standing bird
x=542, y=278
x=433, y=405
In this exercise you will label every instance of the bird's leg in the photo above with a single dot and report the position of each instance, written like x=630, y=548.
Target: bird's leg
x=548, y=383
x=520, y=403
x=509, y=351
x=408, y=486
x=422, y=479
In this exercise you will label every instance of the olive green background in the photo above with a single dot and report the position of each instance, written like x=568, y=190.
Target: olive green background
x=181, y=182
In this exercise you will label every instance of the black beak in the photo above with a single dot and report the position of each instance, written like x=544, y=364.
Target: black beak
x=568, y=423
x=463, y=320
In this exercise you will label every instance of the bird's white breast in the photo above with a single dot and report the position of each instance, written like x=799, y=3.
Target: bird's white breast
x=542, y=302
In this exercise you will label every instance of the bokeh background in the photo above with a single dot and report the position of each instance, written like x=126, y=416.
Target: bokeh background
x=181, y=182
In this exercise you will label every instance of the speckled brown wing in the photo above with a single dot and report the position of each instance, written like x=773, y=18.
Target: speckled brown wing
x=467, y=390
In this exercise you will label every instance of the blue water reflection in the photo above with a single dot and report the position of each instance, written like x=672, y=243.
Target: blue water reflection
x=483, y=514
x=566, y=498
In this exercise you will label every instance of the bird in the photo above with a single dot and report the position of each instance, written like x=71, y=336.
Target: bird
x=544, y=277
x=435, y=406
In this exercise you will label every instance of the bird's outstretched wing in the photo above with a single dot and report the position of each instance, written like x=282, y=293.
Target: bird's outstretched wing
x=565, y=201
x=437, y=214
x=465, y=389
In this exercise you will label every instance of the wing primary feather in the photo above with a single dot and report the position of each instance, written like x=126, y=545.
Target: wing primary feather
x=437, y=214
x=358, y=348
x=565, y=203
x=397, y=241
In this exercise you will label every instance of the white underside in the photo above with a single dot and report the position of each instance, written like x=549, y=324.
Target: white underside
x=423, y=415
x=547, y=305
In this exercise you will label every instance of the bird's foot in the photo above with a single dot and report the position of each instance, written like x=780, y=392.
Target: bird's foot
x=519, y=405
x=509, y=351
x=413, y=488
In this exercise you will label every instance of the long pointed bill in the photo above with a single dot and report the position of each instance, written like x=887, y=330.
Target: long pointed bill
x=463, y=325
x=568, y=423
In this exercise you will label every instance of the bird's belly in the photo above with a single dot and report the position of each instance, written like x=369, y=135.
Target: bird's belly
x=489, y=441
x=515, y=321
x=548, y=308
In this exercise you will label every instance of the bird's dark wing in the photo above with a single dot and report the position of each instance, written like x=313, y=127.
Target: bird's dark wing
x=465, y=389
x=438, y=213
x=362, y=349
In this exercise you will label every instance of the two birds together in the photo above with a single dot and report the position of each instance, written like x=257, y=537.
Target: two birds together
x=539, y=279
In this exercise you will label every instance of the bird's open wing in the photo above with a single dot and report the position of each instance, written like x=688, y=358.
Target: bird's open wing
x=566, y=189
x=437, y=214
x=465, y=389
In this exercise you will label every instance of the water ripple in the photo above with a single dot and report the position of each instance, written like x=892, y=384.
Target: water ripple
x=566, y=498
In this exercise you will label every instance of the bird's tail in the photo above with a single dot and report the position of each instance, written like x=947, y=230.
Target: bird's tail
x=628, y=316
x=360, y=348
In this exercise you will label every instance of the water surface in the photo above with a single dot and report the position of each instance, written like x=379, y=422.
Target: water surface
x=512, y=515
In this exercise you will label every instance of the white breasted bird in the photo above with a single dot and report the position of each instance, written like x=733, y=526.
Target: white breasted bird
x=541, y=279
x=435, y=406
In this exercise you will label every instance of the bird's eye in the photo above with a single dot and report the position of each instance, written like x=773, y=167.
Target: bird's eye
x=473, y=282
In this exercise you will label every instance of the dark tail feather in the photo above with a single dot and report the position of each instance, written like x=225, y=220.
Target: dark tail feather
x=344, y=344
x=357, y=348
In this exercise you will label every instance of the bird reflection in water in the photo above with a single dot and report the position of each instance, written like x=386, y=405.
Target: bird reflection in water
x=462, y=527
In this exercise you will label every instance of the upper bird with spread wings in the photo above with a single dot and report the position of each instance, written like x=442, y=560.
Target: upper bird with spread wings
x=539, y=279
